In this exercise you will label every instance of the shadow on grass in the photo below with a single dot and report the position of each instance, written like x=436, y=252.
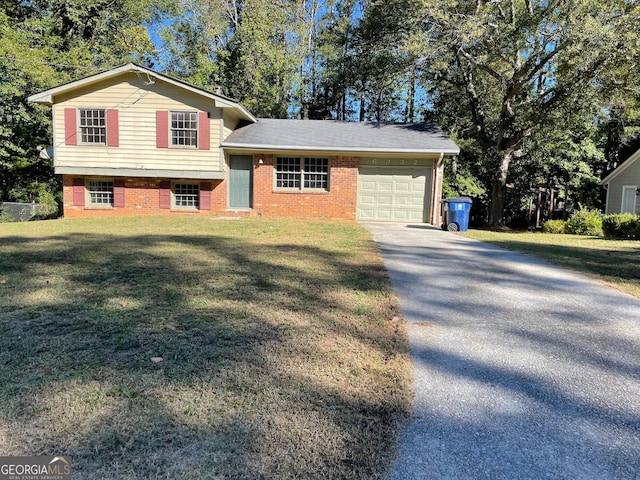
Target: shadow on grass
x=272, y=357
x=623, y=264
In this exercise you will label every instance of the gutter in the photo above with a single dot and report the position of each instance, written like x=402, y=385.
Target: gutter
x=321, y=148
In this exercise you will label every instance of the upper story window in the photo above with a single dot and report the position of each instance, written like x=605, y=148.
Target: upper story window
x=184, y=129
x=93, y=126
x=310, y=173
x=101, y=193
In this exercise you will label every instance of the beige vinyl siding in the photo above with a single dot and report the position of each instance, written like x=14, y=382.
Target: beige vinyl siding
x=629, y=176
x=229, y=124
x=137, y=104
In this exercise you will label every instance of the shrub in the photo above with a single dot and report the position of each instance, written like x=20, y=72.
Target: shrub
x=585, y=222
x=554, y=226
x=621, y=225
x=5, y=217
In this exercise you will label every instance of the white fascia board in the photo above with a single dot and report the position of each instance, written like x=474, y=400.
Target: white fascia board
x=47, y=97
x=311, y=148
x=621, y=168
x=140, y=173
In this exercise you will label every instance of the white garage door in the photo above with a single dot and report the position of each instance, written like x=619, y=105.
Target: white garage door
x=394, y=194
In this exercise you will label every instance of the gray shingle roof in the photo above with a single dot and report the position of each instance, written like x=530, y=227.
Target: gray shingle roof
x=336, y=136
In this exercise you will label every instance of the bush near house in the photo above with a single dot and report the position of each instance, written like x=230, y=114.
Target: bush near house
x=621, y=225
x=585, y=222
x=554, y=226
x=591, y=222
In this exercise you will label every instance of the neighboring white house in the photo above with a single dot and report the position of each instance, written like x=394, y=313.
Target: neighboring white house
x=623, y=187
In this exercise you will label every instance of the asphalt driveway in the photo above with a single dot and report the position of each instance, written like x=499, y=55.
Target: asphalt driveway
x=523, y=370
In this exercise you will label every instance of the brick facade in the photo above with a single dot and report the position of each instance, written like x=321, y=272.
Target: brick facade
x=142, y=196
x=338, y=202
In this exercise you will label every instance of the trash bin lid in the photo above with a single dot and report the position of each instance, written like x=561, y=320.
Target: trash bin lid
x=459, y=200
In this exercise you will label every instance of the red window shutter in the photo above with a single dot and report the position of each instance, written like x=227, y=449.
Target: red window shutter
x=113, y=137
x=204, y=129
x=162, y=129
x=70, y=127
x=118, y=193
x=165, y=194
x=205, y=196
x=78, y=192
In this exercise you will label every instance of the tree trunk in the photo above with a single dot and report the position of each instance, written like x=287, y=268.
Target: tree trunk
x=499, y=189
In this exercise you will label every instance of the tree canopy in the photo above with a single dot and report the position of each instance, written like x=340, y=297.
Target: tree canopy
x=536, y=92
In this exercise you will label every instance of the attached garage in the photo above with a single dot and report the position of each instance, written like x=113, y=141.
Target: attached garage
x=394, y=190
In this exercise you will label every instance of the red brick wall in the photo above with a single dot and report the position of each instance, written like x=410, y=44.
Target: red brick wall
x=142, y=196
x=338, y=202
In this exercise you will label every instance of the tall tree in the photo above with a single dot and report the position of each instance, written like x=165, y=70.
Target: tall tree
x=260, y=61
x=44, y=43
x=512, y=64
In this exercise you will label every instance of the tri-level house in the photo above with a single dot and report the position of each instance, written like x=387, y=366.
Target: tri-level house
x=131, y=141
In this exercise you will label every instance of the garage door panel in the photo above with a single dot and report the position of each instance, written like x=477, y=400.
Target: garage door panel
x=382, y=214
x=393, y=194
x=384, y=186
x=367, y=213
x=416, y=202
x=402, y=185
x=417, y=186
x=384, y=200
x=367, y=200
x=368, y=185
x=403, y=201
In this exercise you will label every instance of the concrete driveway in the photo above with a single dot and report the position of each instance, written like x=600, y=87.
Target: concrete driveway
x=523, y=370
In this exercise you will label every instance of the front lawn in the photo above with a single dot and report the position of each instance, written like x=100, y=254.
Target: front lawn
x=614, y=262
x=198, y=348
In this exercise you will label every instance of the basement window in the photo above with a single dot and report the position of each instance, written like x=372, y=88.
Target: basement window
x=100, y=193
x=186, y=195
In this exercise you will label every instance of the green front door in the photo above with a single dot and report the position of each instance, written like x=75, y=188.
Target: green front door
x=240, y=168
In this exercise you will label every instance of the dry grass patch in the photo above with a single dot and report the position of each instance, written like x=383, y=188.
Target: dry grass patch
x=614, y=262
x=279, y=356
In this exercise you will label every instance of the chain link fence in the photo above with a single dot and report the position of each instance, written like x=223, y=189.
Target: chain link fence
x=23, y=212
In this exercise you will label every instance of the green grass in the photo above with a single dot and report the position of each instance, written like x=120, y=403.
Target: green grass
x=279, y=355
x=614, y=262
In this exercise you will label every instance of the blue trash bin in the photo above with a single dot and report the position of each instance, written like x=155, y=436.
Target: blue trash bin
x=456, y=214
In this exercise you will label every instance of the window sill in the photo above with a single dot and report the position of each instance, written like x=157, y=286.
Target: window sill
x=303, y=192
x=99, y=207
x=185, y=210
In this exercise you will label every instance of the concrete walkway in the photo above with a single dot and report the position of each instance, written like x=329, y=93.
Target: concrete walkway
x=523, y=370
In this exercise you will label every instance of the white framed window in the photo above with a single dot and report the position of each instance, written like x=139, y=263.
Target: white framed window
x=186, y=195
x=184, y=129
x=100, y=193
x=93, y=125
x=297, y=173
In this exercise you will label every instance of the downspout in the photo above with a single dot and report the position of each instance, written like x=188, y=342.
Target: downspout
x=436, y=202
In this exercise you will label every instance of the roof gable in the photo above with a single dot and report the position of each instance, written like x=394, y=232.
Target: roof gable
x=621, y=168
x=48, y=97
x=340, y=136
